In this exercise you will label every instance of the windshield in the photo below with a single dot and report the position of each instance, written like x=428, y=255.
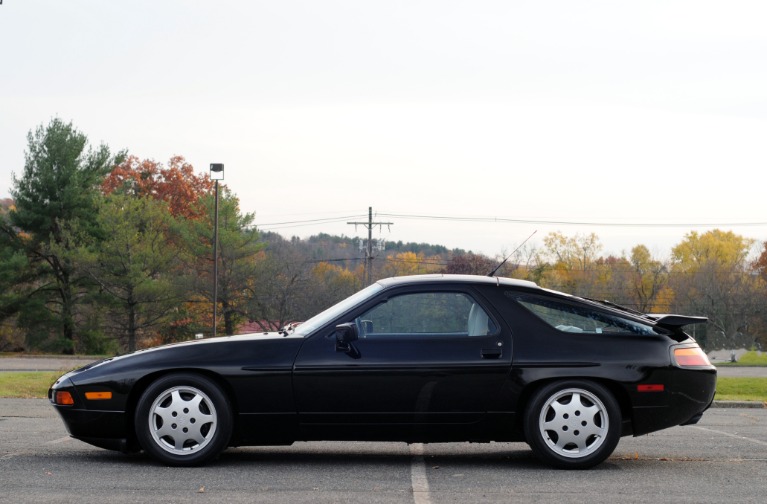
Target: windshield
x=337, y=309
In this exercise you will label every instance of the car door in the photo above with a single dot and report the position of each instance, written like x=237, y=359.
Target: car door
x=424, y=357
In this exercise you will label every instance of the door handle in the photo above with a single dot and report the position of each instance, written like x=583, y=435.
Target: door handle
x=491, y=353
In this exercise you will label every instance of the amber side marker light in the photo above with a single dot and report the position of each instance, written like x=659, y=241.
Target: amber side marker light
x=98, y=396
x=691, y=357
x=64, y=398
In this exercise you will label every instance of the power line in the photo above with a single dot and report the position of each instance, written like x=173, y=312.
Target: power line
x=507, y=220
x=369, y=248
x=308, y=222
x=572, y=223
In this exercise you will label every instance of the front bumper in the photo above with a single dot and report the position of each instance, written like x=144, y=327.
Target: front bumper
x=104, y=428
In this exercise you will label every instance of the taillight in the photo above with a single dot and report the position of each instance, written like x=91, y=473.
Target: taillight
x=689, y=357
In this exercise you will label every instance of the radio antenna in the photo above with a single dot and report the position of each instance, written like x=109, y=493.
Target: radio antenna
x=492, y=273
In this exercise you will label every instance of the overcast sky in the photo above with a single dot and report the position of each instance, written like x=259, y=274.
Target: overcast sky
x=642, y=120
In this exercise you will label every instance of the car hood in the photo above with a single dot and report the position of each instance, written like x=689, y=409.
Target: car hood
x=208, y=346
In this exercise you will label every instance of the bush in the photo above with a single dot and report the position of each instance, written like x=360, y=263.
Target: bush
x=94, y=342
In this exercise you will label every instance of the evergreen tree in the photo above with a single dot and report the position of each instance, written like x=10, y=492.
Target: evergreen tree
x=134, y=265
x=55, y=209
x=238, y=246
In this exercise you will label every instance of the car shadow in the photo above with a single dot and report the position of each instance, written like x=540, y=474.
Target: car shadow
x=354, y=455
x=340, y=456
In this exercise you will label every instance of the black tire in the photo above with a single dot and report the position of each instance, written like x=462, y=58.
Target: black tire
x=183, y=419
x=573, y=424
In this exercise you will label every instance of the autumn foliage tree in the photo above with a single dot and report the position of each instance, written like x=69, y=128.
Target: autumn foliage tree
x=177, y=185
x=760, y=264
x=649, y=281
x=331, y=282
x=571, y=262
x=408, y=263
x=187, y=197
x=710, y=276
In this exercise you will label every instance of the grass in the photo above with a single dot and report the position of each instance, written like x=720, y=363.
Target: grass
x=741, y=389
x=35, y=384
x=27, y=384
x=751, y=358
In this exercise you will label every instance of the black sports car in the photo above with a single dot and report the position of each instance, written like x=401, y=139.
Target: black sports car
x=430, y=358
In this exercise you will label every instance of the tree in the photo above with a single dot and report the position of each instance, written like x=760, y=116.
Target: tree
x=408, y=263
x=649, y=280
x=12, y=263
x=134, y=264
x=279, y=287
x=14, y=271
x=710, y=277
x=238, y=246
x=760, y=264
x=288, y=286
x=724, y=248
x=55, y=209
x=330, y=284
x=470, y=264
x=572, y=262
x=177, y=185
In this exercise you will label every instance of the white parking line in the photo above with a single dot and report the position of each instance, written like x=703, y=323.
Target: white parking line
x=418, y=475
x=757, y=441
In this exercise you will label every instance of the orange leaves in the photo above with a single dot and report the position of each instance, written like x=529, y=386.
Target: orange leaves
x=410, y=263
x=177, y=184
x=760, y=265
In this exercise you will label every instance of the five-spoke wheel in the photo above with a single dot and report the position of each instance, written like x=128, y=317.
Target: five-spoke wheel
x=183, y=419
x=573, y=424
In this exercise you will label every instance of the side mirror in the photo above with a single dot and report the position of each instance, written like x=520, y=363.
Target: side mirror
x=346, y=334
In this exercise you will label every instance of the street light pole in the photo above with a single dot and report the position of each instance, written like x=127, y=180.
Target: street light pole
x=216, y=173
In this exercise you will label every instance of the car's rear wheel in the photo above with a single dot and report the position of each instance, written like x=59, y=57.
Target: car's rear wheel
x=573, y=424
x=183, y=419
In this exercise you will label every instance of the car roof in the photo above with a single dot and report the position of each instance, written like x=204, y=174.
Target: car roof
x=438, y=278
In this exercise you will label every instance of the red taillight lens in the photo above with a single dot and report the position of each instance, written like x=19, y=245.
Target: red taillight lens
x=691, y=357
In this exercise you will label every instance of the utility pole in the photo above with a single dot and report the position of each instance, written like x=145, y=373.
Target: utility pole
x=216, y=173
x=369, y=247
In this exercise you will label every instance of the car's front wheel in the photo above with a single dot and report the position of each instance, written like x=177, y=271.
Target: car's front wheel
x=183, y=419
x=573, y=424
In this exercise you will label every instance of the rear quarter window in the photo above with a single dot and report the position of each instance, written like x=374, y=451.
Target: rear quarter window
x=575, y=318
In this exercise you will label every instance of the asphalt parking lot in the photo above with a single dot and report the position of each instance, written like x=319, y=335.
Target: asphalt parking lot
x=724, y=458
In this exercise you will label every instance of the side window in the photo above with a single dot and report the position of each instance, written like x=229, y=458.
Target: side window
x=426, y=314
x=573, y=318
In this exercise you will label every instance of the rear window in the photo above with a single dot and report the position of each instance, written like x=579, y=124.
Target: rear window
x=576, y=318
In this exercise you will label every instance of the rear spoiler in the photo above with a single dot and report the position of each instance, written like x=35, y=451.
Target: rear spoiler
x=673, y=321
